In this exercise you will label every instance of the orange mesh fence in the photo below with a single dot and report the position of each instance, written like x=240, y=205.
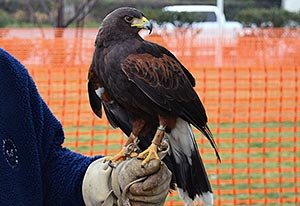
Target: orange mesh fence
x=249, y=84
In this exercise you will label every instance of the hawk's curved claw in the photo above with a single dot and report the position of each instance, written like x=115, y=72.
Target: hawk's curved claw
x=127, y=151
x=120, y=156
x=150, y=153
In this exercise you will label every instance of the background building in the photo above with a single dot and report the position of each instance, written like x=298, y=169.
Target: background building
x=291, y=5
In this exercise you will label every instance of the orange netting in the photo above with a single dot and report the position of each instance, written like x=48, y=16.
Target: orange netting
x=250, y=86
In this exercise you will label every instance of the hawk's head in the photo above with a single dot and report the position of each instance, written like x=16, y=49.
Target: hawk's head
x=126, y=21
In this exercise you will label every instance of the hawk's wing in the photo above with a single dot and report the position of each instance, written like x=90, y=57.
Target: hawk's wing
x=117, y=116
x=165, y=81
x=157, y=72
x=95, y=101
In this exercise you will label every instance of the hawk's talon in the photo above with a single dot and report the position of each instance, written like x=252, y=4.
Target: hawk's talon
x=120, y=156
x=127, y=151
x=131, y=149
x=150, y=153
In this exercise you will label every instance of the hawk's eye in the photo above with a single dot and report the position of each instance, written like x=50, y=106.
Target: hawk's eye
x=128, y=19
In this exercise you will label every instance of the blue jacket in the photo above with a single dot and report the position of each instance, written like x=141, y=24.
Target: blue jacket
x=34, y=168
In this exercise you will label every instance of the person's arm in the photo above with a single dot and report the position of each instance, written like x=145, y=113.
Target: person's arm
x=37, y=170
x=62, y=170
x=63, y=176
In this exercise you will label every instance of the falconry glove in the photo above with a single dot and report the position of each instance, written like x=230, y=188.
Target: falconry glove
x=126, y=183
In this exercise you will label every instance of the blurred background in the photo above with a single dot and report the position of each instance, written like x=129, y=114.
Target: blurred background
x=244, y=55
x=89, y=13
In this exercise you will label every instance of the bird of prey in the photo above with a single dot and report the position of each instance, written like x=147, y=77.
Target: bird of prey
x=149, y=95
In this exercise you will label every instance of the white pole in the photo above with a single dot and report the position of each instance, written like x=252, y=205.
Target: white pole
x=218, y=46
x=220, y=5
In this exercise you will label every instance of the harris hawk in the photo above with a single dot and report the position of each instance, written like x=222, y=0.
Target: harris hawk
x=149, y=95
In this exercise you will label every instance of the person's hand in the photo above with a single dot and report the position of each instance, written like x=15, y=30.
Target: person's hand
x=148, y=185
x=126, y=183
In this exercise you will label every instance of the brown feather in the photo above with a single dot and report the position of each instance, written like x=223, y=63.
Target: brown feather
x=164, y=74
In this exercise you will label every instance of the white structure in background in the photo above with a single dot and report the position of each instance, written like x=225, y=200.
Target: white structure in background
x=209, y=29
x=220, y=5
x=291, y=5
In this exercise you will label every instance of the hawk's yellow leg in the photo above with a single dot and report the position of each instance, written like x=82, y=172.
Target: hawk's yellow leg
x=151, y=152
x=125, y=151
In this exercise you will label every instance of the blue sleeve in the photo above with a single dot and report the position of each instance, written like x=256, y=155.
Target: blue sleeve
x=35, y=169
x=63, y=170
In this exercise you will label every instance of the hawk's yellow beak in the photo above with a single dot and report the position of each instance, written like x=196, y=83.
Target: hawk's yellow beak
x=142, y=23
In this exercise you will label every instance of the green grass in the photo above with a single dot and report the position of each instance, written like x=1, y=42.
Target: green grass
x=259, y=160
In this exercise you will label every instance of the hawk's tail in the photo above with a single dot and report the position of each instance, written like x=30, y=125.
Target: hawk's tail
x=207, y=133
x=190, y=174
